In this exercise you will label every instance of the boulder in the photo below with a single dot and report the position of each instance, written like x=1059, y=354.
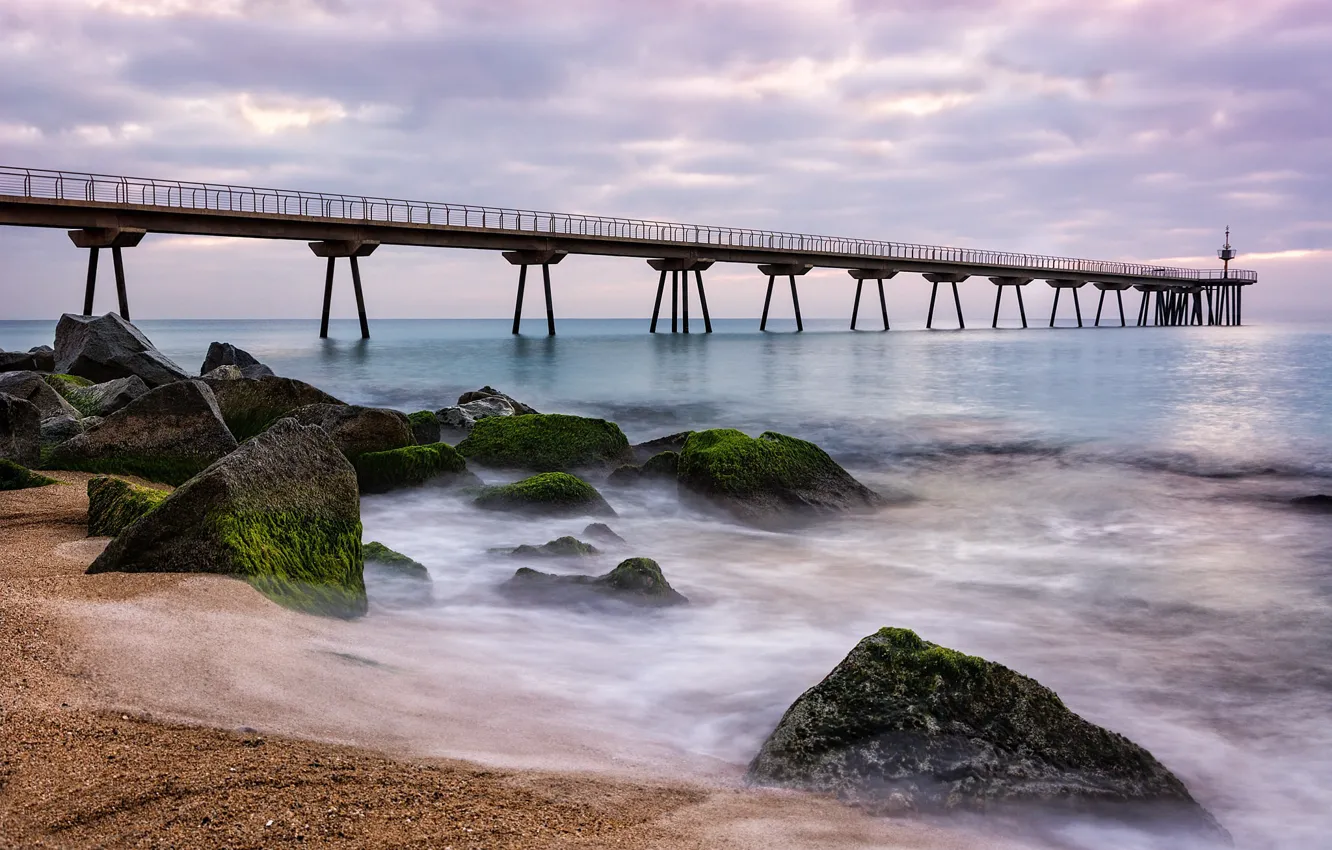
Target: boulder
x=14, y=476
x=491, y=392
x=226, y=354
x=1318, y=502
x=32, y=387
x=394, y=563
x=168, y=434
x=105, y=398
x=660, y=467
x=768, y=481
x=669, y=443
x=905, y=725
x=43, y=358
x=637, y=581
x=20, y=431
x=601, y=531
x=115, y=504
x=410, y=466
x=17, y=361
x=357, y=430
x=561, y=547
x=104, y=348
x=465, y=416
x=281, y=512
x=550, y=493
x=249, y=405
x=425, y=427
x=550, y=442
x=57, y=429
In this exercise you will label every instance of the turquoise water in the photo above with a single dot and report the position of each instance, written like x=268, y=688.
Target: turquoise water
x=1105, y=510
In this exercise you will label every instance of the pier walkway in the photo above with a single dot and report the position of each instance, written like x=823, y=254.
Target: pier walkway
x=103, y=211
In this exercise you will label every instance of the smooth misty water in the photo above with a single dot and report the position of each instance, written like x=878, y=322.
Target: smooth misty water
x=1104, y=510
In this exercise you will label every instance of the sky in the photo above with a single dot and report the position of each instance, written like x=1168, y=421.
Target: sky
x=1110, y=129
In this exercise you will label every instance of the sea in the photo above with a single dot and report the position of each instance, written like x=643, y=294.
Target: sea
x=1108, y=511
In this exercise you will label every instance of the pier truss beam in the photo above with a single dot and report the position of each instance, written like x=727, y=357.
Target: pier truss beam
x=352, y=249
x=115, y=238
x=1060, y=284
x=936, y=278
x=1017, y=283
x=788, y=270
x=862, y=275
x=1118, y=289
x=679, y=269
x=523, y=259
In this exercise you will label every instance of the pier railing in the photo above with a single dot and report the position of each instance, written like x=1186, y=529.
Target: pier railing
x=34, y=183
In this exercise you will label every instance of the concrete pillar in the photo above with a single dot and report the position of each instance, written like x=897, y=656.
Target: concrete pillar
x=115, y=238
x=351, y=249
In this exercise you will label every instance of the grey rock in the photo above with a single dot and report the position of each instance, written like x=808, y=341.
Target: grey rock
x=33, y=387
x=602, y=532
x=490, y=392
x=43, y=358
x=464, y=416
x=357, y=430
x=58, y=429
x=20, y=431
x=91, y=422
x=104, y=348
x=636, y=581
x=226, y=354
x=17, y=361
x=168, y=434
x=669, y=443
x=106, y=398
x=249, y=405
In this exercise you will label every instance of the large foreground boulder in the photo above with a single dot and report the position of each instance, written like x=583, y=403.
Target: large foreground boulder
x=281, y=512
x=550, y=493
x=103, y=348
x=167, y=435
x=20, y=431
x=768, y=481
x=34, y=388
x=410, y=466
x=115, y=504
x=551, y=442
x=249, y=405
x=99, y=399
x=14, y=476
x=905, y=725
x=226, y=354
x=358, y=430
x=636, y=581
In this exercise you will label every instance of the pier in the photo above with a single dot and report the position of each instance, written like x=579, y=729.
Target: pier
x=102, y=211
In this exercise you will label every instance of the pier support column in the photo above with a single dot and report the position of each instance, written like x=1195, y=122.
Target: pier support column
x=115, y=238
x=791, y=271
x=1017, y=283
x=702, y=300
x=937, y=278
x=1118, y=288
x=1146, y=315
x=351, y=249
x=878, y=275
x=523, y=259
x=679, y=269
x=1059, y=285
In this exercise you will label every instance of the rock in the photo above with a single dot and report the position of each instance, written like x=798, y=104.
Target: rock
x=464, y=417
x=17, y=361
x=226, y=354
x=108, y=347
x=624, y=476
x=102, y=399
x=114, y=504
x=43, y=358
x=224, y=373
x=669, y=443
x=90, y=422
x=281, y=512
x=490, y=392
x=1319, y=502
x=395, y=562
x=601, y=531
x=425, y=427
x=32, y=387
x=357, y=430
x=15, y=476
x=551, y=493
x=57, y=429
x=637, y=581
x=249, y=405
x=905, y=725
x=168, y=434
x=768, y=481
x=410, y=466
x=561, y=547
x=661, y=466
x=20, y=431
x=550, y=442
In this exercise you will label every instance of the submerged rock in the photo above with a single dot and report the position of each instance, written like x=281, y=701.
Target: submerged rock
x=601, y=531
x=394, y=562
x=551, y=493
x=770, y=480
x=281, y=511
x=99, y=399
x=32, y=387
x=20, y=431
x=549, y=442
x=249, y=405
x=905, y=725
x=169, y=434
x=425, y=427
x=465, y=416
x=561, y=547
x=669, y=443
x=358, y=430
x=410, y=466
x=104, y=348
x=115, y=504
x=636, y=581
x=226, y=354
x=14, y=476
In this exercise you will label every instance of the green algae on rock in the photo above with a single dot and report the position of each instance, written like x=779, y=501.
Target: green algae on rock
x=115, y=504
x=545, y=442
x=553, y=493
x=902, y=724
x=281, y=511
x=425, y=427
x=636, y=581
x=560, y=547
x=15, y=476
x=375, y=552
x=769, y=480
x=249, y=405
x=410, y=466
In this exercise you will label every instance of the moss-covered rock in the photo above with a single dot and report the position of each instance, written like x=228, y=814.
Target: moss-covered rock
x=32, y=387
x=358, y=430
x=560, y=547
x=636, y=581
x=396, y=563
x=15, y=476
x=550, y=493
x=545, y=442
x=169, y=435
x=669, y=443
x=115, y=504
x=425, y=427
x=903, y=724
x=98, y=399
x=768, y=481
x=410, y=466
x=249, y=405
x=281, y=511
